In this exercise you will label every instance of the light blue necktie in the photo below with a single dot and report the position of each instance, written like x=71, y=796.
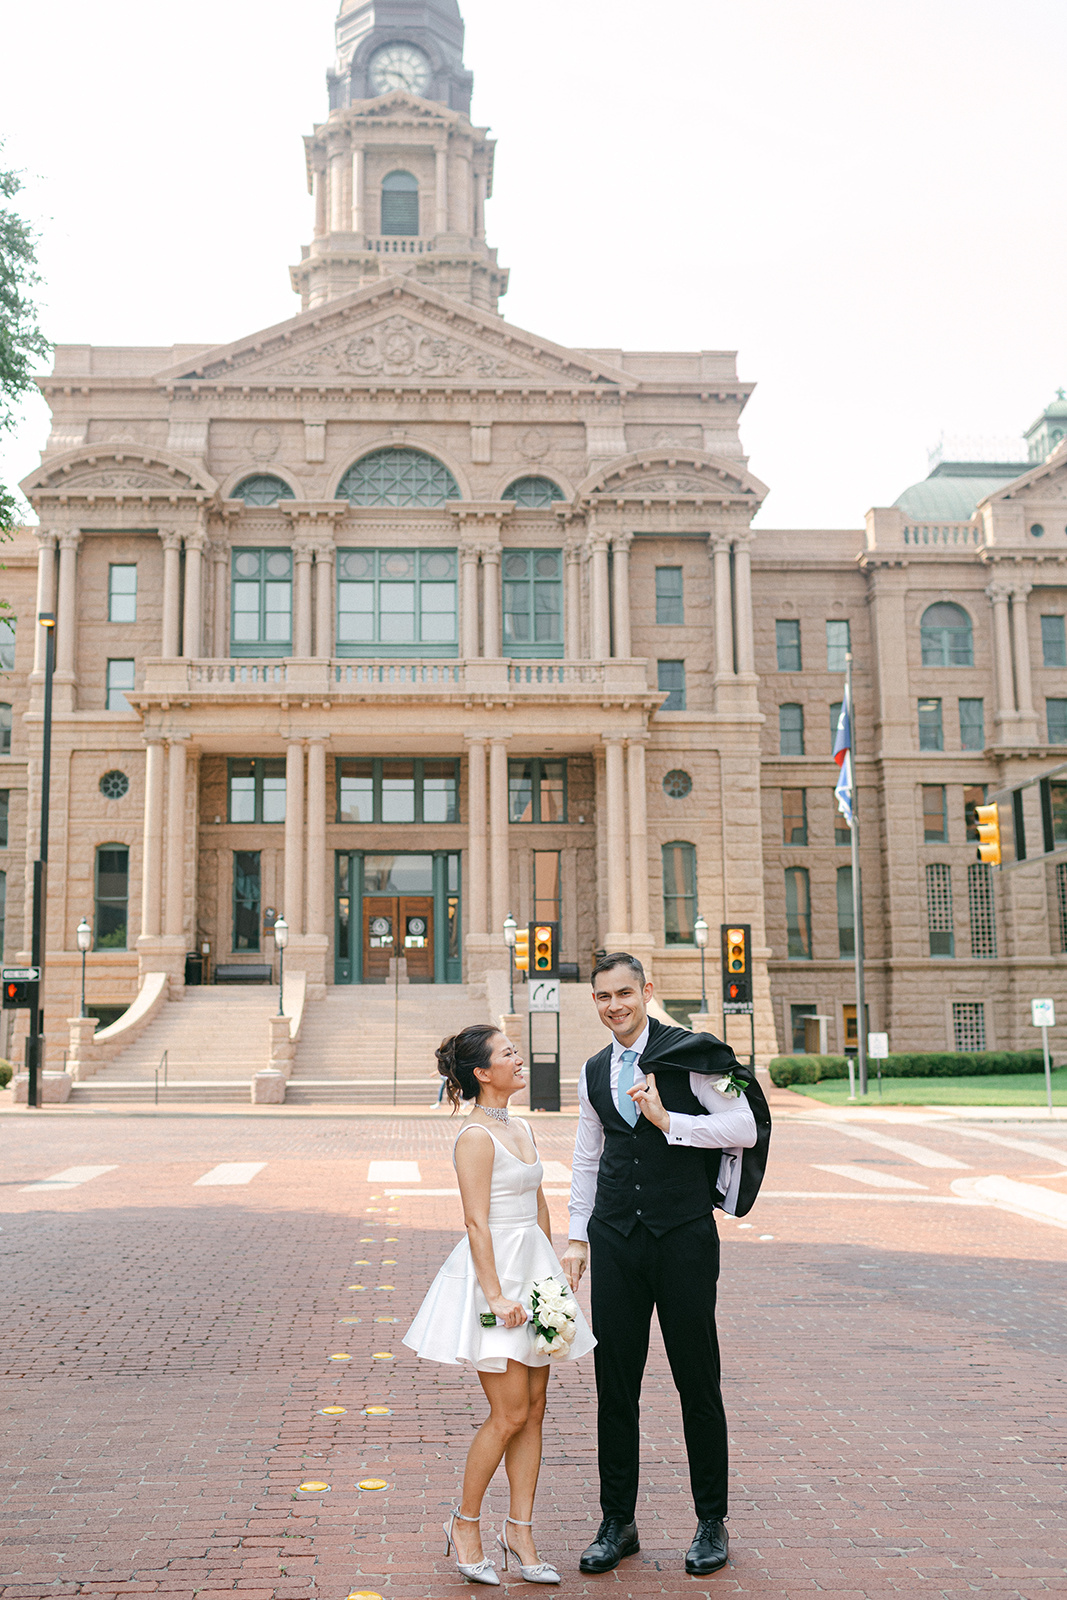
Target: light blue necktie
x=627, y=1108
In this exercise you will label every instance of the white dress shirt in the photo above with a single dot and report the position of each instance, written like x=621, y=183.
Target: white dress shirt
x=729, y=1126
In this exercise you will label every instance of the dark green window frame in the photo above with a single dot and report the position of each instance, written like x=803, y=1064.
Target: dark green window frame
x=670, y=603
x=111, y=894
x=258, y=779
x=679, y=859
x=247, y=899
x=5, y=807
x=372, y=776
x=261, y=588
x=532, y=600
x=372, y=588
x=533, y=782
x=787, y=644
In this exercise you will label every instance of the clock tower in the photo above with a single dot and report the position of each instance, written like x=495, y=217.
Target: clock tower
x=399, y=174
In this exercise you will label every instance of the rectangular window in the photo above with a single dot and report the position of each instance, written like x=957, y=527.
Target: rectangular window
x=1053, y=642
x=939, y=909
x=394, y=602
x=1056, y=720
x=679, y=893
x=1058, y=799
x=838, y=644
x=670, y=611
x=120, y=677
x=121, y=593
x=537, y=791
x=968, y=1025
x=983, y=915
x=257, y=790
x=835, y=717
x=377, y=789
x=3, y=908
x=112, y=894
x=787, y=643
x=5, y=729
x=935, y=820
x=533, y=602
x=791, y=730
x=842, y=831
x=261, y=592
x=246, y=899
x=931, y=736
x=1061, y=902
x=670, y=676
x=796, y=1025
x=974, y=795
x=546, y=885
x=846, y=921
x=972, y=724
x=794, y=816
x=5, y=796
x=7, y=644
x=798, y=913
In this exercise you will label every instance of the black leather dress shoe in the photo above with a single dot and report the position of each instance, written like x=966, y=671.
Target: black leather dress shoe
x=709, y=1549
x=615, y=1539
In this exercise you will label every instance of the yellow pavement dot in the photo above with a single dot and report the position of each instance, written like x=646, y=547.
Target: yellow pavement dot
x=383, y=1355
x=391, y=1285
x=389, y=1263
x=373, y=1483
x=368, y=1241
x=374, y=1208
x=362, y=1262
x=358, y=1287
x=392, y=1239
x=314, y=1488
x=363, y=1594
x=378, y=1411
x=387, y=1319
x=333, y=1411
x=392, y=1208
x=348, y=1322
x=341, y=1357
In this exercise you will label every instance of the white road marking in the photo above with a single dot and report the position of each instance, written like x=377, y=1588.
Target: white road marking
x=877, y=1180
x=394, y=1172
x=70, y=1178
x=230, y=1172
x=1032, y=1147
x=1025, y=1199
x=921, y=1154
x=859, y=1198
x=556, y=1172
x=393, y=1193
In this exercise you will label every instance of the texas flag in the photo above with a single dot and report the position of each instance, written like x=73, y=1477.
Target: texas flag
x=843, y=757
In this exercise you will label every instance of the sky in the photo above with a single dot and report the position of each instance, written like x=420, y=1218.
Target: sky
x=864, y=201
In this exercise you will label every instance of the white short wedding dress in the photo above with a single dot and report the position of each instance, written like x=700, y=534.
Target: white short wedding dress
x=448, y=1327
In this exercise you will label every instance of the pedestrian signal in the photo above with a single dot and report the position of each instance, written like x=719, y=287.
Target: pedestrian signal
x=522, y=949
x=987, y=820
x=544, y=942
x=20, y=993
x=736, y=967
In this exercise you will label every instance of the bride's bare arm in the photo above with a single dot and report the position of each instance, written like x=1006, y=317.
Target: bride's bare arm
x=474, y=1169
x=544, y=1221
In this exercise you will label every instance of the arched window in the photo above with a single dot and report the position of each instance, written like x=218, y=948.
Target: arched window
x=533, y=492
x=947, y=639
x=5, y=729
x=262, y=489
x=679, y=892
x=112, y=895
x=398, y=478
x=400, y=203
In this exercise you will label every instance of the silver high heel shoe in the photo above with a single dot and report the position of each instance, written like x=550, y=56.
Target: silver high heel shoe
x=543, y=1572
x=482, y=1571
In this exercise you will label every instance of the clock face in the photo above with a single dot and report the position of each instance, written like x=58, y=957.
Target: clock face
x=399, y=66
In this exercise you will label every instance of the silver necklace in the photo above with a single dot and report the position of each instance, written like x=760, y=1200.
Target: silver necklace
x=498, y=1113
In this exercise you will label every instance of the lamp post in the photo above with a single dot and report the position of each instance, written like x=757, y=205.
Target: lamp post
x=700, y=933
x=281, y=939
x=510, y=928
x=39, y=922
x=85, y=939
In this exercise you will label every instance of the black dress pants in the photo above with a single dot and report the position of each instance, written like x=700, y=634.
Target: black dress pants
x=676, y=1274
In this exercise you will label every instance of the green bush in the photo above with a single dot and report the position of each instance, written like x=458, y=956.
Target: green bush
x=7, y=1072
x=786, y=1070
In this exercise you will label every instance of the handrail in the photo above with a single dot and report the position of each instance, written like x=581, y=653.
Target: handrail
x=164, y=1068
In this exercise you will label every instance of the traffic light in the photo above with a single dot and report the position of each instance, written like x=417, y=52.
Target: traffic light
x=987, y=819
x=522, y=949
x=736, y=967
x=544, y=943
x=20, y=994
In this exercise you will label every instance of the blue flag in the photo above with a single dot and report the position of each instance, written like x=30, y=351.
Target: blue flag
x=843, y=757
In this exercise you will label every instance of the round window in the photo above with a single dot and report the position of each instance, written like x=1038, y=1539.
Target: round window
x=278, y=564
x=114, y=785
x=677, y=783
x=397, y=564
x=357, y=565
x=246, y=564
x=437, y=566
x=1037, y=530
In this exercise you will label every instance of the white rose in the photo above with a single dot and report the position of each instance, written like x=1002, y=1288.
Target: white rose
x=568, y=1333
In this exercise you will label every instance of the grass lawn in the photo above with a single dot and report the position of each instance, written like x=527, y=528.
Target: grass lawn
x=1003, y=1089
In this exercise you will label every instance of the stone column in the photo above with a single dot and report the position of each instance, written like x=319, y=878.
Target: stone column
x=477, y=898
x=294, y=836
x=724, y=622
x=303, y=551
x=316, y=847
x=600, y=642
x=152, y=853
x=1024, y=692
x=220, y=562
x=635, y=783
x=620, y=546
x=46, y=584
x=746, y=656
x=498, y=834
x=337, y=221
x=174, y=921
x=479, y=205
x=441, y=188
x=468, y=602
x=172, y=546
x=999, y=594
x=319, y=180
x=359, y=221
x=325, y=557
x=67, y=610
x=615, y=854
x=491, y=600
x=193, y=622
x=572, y=599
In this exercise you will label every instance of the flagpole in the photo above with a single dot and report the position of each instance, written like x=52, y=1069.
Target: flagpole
x=857, y=890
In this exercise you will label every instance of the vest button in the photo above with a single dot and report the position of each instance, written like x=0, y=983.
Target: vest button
x=639, y=1211
x=637, y=1186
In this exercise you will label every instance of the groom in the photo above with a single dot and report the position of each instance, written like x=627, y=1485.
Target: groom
x=657, y=1149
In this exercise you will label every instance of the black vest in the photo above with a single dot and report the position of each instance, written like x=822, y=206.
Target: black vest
x=641, y=1177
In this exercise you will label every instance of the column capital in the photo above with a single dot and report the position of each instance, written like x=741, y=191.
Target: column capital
x=998, y=590
x=325, y=550
x=303, y=550
x=572, y=552
x=613, y=738
x=719, y=541
x=170, y=538
x=743, y=539
x=641, y=738
x=218, y=550
x=476, y=738
x=469, y=554
x=621, y=541
x=70, y=539
x=47, y=538
x=490, y=550
x=154, y=737
x=196, y=541
x=318, y=738
x=1019, y=588
x=176, y=736
x=597, y=543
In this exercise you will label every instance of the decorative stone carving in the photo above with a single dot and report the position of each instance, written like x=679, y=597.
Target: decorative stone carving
x=533, y=445
x=119, y=481
x=265, y=443
x=398, y=348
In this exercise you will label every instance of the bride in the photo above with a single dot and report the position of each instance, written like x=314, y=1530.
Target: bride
x=507, y=1249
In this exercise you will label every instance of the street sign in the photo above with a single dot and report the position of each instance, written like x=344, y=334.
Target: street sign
x=878, y=1046
x=544, y=994
x=19, y=974
x=1042, y=1014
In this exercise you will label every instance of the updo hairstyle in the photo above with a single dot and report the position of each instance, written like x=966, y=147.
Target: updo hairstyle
x=458, y=1058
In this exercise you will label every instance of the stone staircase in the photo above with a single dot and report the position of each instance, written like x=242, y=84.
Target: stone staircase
x=215, y=1039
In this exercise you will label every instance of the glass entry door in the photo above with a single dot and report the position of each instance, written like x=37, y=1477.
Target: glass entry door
x=405, y=904
x=401, y=925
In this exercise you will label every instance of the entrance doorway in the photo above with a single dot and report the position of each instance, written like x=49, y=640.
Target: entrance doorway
x=407, y=905
x=401, y=925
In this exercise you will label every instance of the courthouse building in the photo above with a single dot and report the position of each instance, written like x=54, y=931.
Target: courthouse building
x=395, y=617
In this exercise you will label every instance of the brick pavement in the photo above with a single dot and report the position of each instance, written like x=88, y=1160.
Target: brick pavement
x=893, y=1373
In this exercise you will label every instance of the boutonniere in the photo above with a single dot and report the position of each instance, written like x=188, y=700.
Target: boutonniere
x=730, y=1086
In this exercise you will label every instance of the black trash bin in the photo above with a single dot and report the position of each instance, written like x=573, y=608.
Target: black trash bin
x=194, y=971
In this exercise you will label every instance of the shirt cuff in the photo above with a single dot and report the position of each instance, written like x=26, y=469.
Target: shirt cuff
x=579, y=1230
x=681, y=1128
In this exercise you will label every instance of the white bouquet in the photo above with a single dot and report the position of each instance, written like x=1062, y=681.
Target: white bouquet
x=553, y=1317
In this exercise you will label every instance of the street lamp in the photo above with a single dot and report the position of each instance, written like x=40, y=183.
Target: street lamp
x=510, y=928
x=281, y=939
x=85, y=939
x=700, y=933
x=35, y=1044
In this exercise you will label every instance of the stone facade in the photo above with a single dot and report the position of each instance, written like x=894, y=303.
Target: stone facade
x=400, y=355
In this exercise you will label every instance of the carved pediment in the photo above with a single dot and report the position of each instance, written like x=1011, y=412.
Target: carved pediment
x=117, y=470
x=677, y=475
x=1042, y=484
x=399, y=347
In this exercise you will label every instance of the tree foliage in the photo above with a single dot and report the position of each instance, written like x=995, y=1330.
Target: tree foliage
x=21, y=339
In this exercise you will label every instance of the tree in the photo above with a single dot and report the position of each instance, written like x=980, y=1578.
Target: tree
x=21, y=340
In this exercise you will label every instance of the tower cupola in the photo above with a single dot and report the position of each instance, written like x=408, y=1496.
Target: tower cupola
x=416, y=45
